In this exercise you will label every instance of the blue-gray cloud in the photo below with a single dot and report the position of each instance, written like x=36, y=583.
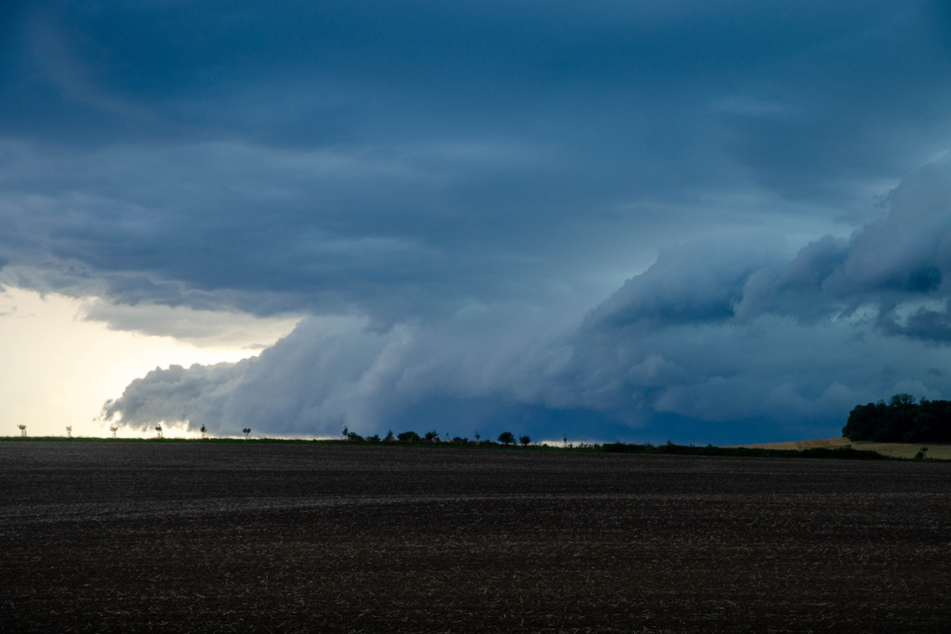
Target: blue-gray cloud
x=724, y=332
x=483, y=172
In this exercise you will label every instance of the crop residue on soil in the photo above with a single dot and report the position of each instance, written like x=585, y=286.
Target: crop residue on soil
x=118, y=537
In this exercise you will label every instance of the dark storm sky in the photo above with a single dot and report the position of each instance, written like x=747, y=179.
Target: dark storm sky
x=711, y=222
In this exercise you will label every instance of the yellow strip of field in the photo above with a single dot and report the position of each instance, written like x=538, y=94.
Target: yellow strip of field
x=893, y=449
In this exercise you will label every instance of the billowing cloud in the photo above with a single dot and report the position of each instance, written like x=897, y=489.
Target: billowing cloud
x=335, y=372
x=740, y=333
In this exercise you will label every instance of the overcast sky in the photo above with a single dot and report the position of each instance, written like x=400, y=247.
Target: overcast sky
x=707, y=222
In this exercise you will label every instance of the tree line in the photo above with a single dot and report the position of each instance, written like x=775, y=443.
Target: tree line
x=900, y=420
x=432, y=437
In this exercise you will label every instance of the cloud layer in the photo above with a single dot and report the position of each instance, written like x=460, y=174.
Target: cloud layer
x=716, y=332
x=622, y=219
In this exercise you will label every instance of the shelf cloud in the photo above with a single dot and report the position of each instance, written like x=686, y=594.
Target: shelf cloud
x=706, y=223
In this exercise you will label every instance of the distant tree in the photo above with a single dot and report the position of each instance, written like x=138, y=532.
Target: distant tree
x=202, y=430
x=113, y=429
x=389, y=436
x=432, y=436
x=506, y=438
x=158, y=430
x=408, y=436
x=69, y=431
x=525, y=440
x=565, y=440
x=22, y=430
x=247, y=432
x=478, y=438
x=346, y=433
x=374, y=438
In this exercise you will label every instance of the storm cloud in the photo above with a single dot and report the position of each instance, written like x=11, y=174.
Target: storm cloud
x=626, y=220
x=719, y=332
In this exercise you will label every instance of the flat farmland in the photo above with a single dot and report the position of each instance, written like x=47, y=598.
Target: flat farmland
x=891, y=449
x=242, y=537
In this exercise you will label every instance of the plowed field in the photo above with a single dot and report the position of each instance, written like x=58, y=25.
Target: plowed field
x=243, y=537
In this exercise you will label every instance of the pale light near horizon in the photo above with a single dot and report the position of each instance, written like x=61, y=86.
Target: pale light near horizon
x=59, y=368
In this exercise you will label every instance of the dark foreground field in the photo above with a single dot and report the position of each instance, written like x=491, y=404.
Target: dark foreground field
x=175, y=537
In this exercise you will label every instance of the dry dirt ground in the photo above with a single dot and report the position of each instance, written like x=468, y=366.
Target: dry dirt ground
x=243, y=537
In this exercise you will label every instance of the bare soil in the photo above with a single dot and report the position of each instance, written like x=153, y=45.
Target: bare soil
x=245, y=537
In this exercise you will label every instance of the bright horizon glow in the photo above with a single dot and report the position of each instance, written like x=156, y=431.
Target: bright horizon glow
x=58, y=369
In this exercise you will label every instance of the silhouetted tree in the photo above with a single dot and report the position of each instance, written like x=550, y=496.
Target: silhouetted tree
x=899, y=400
x=901, y=420
x=478, y=438
x=202, y=430
x=113, y=429
x=432, y=436
x=158, y=430
x=247, y=432
x=525, y=440
x=389, y=436
x=506, y=438
x=408, y=436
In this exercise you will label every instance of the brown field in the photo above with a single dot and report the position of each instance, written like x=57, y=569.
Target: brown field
x=891, y=449
x=173, y=537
